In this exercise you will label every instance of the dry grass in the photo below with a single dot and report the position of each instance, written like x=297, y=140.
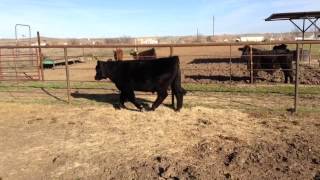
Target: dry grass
x=89, y=139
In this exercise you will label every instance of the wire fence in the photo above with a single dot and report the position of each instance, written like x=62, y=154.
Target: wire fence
x=49, y=70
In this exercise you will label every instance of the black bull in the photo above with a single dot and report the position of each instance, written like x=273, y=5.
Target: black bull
x=278, y=58
x=146, y=76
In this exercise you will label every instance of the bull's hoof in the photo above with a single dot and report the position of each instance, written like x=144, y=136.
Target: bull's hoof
x=145, y=106
x=141, y=110
x=291, y=110
x=119, y=106
x=116, y=106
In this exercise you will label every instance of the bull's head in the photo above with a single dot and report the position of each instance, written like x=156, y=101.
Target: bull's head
x=245, y=53
x=100, y=71
x=245, y=50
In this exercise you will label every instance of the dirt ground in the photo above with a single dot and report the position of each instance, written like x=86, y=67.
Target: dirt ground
x=215, y=136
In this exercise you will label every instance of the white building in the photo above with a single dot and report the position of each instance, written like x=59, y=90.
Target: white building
x=251, y=39
x=41, y=44
x=147, y=41
x=310, y=38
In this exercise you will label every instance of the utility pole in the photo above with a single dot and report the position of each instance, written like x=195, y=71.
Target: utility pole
x=197, y=34
x=212, y=26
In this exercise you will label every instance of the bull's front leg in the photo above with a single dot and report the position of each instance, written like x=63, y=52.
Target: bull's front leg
x=123, y=99
x=132, y=99
x=161, y=96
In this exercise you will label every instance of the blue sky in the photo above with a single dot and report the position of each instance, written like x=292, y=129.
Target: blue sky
x=111, y=18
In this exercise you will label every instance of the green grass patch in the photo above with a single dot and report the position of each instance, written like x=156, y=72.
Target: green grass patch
x=53, y=85
x=254, y=89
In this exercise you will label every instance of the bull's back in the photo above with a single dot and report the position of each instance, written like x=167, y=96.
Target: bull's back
x=144, y=75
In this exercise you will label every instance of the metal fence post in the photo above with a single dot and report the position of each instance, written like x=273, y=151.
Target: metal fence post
x=297, y=80
x=15, y=62
x=230, y=63
x=40, y=56
x=251, y=65
x=0, y=67
x=310, y=47
x=83, y=54
x=67, y=73
x=38, y=63
x=172, y=93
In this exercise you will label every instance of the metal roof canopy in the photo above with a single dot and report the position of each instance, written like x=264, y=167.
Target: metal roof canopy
x=312, y=17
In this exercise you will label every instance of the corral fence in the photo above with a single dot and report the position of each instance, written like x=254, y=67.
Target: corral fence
x=198, y=64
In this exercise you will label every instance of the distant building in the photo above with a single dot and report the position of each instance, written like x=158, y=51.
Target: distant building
x=147, y=41
x=41, y=44
x=310, y=38
x=253, y=38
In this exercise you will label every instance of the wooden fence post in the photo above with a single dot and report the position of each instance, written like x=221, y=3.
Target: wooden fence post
x=40, y=56
x=297, y=80
x=171, y=51
x=67, y=73
x=251, y=65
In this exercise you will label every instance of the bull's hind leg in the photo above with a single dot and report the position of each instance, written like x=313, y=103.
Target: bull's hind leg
x=288, y=76
x=179, y=94
x=161, y=96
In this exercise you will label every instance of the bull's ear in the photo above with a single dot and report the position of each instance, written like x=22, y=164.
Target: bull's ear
x=100, y=63
x=241, y=49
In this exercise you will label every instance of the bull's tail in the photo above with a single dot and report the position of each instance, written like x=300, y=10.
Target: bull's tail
x=177, y=90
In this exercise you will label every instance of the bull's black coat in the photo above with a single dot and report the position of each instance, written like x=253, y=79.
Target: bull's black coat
x=278, y=58
x=144, y=75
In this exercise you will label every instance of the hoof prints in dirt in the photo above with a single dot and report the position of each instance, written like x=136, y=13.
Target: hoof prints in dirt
x=227, y=176
x=34, y=120
x=166, y=169
x=317, y=176
x=315, y=161
x=203, y=122
x=229, y=158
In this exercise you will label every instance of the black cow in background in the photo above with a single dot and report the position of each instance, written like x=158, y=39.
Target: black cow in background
x=144, y=75
x=280, y=57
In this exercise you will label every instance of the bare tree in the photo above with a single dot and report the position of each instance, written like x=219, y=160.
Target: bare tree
x=74, y=42
x=120, y=40
x=295, y=32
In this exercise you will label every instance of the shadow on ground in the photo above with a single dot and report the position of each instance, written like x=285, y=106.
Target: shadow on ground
x=113, y=99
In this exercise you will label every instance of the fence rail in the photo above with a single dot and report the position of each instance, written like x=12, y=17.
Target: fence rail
x=164, y=45
x=229, y=59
